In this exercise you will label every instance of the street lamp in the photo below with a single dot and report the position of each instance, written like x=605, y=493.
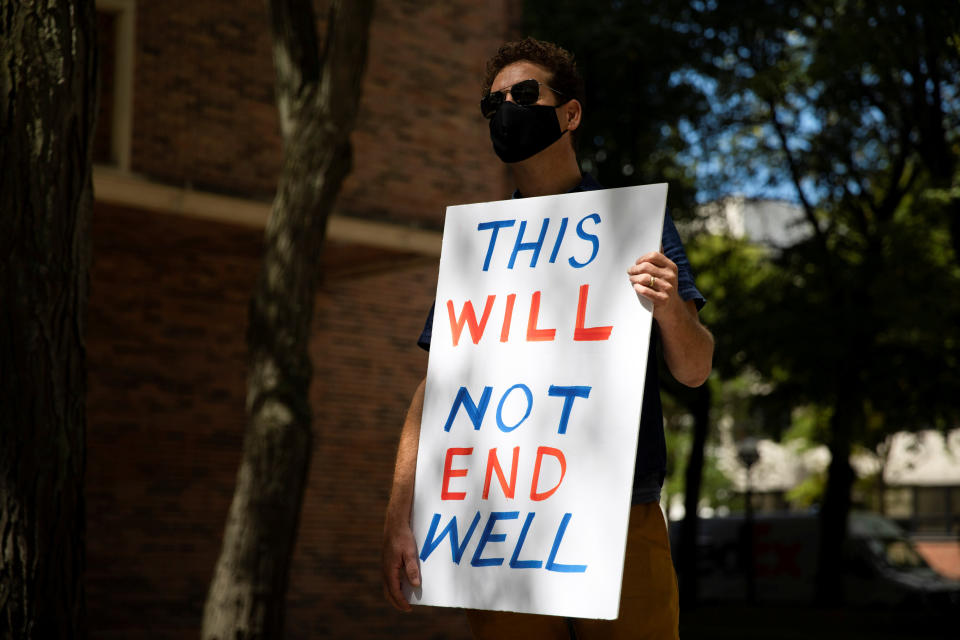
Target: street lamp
x=749, y=455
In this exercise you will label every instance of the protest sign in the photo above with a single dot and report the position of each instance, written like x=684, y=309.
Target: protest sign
x=532, y=402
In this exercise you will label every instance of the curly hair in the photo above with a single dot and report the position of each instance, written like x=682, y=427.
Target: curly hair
x=564, y=76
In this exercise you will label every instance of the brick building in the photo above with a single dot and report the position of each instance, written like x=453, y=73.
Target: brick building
x=188, y=153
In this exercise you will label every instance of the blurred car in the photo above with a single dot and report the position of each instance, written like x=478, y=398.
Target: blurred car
x=882, y=567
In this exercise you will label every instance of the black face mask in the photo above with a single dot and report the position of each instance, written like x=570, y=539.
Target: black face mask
x=521, y=132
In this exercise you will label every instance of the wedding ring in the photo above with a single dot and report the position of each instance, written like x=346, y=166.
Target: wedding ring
x=652, y=281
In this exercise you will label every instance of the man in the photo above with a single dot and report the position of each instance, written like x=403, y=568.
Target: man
x=533, y=100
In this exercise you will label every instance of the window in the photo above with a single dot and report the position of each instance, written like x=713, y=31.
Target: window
x=115, y=37
x=931, y=502
x=898, y=503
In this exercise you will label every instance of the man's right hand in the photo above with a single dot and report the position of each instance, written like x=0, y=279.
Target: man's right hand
x=399, y=560
x=399, y=563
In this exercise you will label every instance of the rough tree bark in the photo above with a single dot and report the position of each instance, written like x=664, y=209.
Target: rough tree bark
x=317, y=97
x=48, y=99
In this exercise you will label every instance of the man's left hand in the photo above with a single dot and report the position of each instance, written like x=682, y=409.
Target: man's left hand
x=654, y=276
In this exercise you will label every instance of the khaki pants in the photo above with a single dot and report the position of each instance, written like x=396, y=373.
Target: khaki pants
x=649, y=602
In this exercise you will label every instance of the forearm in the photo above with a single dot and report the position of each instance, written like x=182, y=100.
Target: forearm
x=399, y=561
x=687, y=345
x=401, y=494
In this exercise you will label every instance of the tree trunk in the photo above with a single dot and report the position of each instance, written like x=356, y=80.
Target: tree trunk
x=836, y=502
x=693, y=479
x=317, y=101
x=48, y=96
x=881, y=489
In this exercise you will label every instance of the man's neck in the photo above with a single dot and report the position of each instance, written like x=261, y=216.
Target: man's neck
x=554, y=170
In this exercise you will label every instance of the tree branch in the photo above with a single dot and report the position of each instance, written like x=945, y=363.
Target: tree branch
x=295, y=57
x=808, y=210
x=895, y=191
x=347, y=29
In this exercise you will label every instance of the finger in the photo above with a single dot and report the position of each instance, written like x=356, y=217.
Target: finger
x=657, y=258
x=389, y=596
x=388, y=578
x=654, y=296
x=393, y=587
x=661, y=280
x=642, y=267
x=647, y=266
x=659, y=287
x=395, y=590
x=657, y=272
x=413, y=570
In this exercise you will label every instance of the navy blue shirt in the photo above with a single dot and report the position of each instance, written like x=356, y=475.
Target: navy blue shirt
x=651, y=465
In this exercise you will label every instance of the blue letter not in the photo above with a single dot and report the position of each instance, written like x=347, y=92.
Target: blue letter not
x=568, y=394
x=474, y=411
x=526, y=392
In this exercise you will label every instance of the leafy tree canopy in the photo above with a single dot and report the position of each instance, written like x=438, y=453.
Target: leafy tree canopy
x=849, y=109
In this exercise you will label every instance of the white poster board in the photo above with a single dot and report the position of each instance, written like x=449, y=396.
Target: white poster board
x=532, y=405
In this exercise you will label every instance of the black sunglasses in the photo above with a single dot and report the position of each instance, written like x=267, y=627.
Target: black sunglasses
x=525, y=93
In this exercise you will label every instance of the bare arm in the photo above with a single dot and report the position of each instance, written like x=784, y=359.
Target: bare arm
x=399, y=547
x=687, y=344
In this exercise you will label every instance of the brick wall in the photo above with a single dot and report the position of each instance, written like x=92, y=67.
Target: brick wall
x=204, y=114
x=167, y=359
x=203, y=96
x=421, y=143
x=168, y=312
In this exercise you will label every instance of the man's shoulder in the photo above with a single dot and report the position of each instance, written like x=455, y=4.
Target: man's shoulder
x=587, y=183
